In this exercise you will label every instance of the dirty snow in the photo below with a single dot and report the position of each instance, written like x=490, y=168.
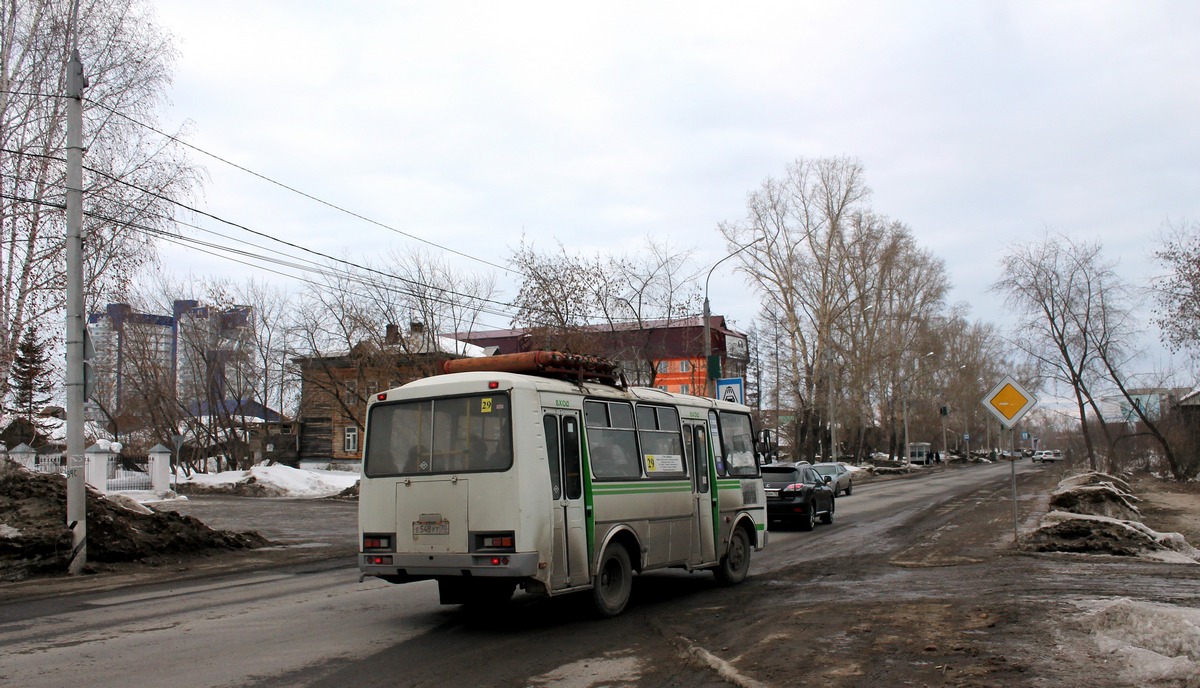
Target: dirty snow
x=1157, y=643
x=1149, y=544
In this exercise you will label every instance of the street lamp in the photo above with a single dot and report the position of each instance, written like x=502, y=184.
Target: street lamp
x=708, y=367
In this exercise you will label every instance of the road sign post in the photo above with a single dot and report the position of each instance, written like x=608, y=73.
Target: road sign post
x=1009, y=401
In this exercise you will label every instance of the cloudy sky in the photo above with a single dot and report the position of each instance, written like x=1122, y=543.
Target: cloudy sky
x=470, y=125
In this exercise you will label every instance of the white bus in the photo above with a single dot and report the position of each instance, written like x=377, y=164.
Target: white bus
x=537, y=470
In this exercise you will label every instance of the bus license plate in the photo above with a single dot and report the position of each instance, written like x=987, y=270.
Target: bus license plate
x=438, y=528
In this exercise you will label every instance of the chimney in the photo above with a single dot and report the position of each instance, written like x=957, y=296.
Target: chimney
x=416, y=328
x=392, y=336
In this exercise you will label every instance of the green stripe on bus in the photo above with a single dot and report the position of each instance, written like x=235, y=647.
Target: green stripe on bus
x=639, y=489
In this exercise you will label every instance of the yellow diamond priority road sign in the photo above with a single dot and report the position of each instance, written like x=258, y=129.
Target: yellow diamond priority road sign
x=1008, y=401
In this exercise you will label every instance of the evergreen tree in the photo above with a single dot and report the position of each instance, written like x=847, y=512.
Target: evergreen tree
x=31, y=381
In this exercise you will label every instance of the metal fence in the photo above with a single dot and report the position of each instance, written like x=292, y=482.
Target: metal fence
x=127, y=474
x=122, y=473
x=50, y=464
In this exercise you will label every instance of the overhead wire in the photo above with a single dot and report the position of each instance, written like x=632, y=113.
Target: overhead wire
x=224, y=252
x=415, y=283
x=294, y=190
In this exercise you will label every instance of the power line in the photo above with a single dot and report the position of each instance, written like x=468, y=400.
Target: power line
x=223, y=251
x=244, y=228
x=298, y=191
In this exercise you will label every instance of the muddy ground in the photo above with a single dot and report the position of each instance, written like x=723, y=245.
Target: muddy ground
x=948, y=602
x=946, y=599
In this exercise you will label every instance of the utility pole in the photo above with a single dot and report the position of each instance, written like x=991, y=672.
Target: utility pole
x=76, y=490
x=833, y=445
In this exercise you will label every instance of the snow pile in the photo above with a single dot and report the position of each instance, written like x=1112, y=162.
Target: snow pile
x=1060, y=531
x=1095, y=500
x=1159, y=644
x=1095, y=513
x=127, y=502
x=35, y=540
x=274, y=480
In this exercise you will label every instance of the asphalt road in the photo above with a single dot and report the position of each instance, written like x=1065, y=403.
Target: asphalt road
x=316, y=625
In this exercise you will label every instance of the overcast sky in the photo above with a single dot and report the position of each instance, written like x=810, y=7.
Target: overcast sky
x=979, y=124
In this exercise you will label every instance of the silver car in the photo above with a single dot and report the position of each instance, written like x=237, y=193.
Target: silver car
x=839, y=478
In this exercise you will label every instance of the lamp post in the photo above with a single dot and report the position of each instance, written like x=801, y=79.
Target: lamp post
x=708, y=367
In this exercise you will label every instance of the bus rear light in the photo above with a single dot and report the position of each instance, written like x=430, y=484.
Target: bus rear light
x=377, y=542
x=493, y=385
x=380, y=560
x=497, y=561
x=382, y=396
x=494, y=542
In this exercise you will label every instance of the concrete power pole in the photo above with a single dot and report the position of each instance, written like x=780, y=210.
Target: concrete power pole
x=76, y=490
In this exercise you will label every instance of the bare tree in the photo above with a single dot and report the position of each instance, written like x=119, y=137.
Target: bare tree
x=1076, y=325
x=845, y=288
x=132, y=174
x=560, y=297
x=1178, y=295
x=350, y=344
x=612, y=305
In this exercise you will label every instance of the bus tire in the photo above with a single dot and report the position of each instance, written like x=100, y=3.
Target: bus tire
x=735, y=565
x=613, y=581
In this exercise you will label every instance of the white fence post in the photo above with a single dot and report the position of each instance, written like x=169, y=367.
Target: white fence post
x=160, y=468
x=95, y=472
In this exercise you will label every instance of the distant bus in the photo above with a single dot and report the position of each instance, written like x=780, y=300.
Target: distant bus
x=541, y=471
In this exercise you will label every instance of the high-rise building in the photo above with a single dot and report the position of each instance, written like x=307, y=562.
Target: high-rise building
x=201, y=355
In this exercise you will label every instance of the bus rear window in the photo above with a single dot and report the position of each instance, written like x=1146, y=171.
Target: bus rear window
x=452, y=435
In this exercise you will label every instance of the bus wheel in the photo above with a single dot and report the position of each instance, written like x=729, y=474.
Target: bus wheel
x=613, y=582
x=736, y=563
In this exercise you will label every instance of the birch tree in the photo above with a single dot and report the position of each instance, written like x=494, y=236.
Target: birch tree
x=131, y=176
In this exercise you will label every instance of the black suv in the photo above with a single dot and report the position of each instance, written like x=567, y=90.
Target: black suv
x=797, y=494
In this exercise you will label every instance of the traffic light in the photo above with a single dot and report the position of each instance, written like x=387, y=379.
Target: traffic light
x=945, y=410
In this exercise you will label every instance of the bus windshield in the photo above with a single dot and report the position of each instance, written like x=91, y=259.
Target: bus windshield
x=737, y=444
x=447, y=435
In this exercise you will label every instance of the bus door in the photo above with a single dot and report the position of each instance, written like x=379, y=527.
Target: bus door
x=570, y=560
x=695, y=448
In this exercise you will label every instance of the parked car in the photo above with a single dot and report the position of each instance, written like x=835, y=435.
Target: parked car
x=1043, y=455
x=797, y=494
x=839, y=478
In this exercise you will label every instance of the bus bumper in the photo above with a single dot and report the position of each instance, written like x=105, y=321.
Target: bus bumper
x=415, y=567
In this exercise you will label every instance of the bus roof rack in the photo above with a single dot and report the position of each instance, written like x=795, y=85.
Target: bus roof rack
x=554, y=364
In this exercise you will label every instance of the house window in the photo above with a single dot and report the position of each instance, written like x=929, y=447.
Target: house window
x=685, y=366
x=351, y=442
x=664, y=367
x=685, y=389
x=351, y=393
